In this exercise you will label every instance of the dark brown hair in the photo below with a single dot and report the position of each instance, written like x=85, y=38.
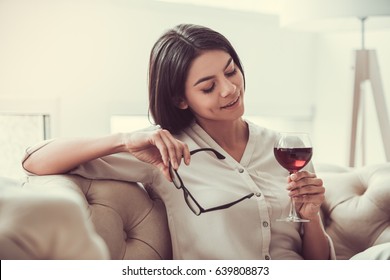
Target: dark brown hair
x=170, y=60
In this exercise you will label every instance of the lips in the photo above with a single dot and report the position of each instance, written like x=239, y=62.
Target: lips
x=231, y=103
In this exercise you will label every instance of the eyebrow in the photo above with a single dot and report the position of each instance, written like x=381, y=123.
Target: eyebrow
x=210, y=77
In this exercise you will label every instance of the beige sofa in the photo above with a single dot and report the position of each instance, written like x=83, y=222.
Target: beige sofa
x=133, y=225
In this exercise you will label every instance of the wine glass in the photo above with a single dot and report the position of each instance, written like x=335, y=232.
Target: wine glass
x=293, y=151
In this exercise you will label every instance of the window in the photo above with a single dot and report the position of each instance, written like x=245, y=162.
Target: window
x=18, y=131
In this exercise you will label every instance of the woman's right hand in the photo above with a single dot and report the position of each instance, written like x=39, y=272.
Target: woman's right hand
x=157, y=147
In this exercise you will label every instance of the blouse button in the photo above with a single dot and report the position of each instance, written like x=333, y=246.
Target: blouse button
x=258, y=194
x=267, y=257
x=265, y=224
x=241, y=170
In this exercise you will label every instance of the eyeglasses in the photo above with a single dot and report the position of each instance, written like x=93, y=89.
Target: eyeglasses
x=194, y=205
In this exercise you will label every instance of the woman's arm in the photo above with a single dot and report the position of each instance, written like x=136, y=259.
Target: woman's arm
x=62, y=155
x=308, y=192
x=315, y=243
x=157, y=147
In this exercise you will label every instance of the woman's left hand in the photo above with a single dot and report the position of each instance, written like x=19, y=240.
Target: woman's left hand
x=308, y=193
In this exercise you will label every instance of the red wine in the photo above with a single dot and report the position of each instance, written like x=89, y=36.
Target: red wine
x=293, y=159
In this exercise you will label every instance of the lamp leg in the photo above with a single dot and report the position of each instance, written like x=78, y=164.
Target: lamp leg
x=380, y=102
x=360, y=76
x=367, y=68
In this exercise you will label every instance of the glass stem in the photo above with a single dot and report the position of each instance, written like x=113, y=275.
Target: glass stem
x=293, y=211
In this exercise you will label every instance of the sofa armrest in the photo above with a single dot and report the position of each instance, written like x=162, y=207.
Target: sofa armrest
x=38, y=223
x=133, y=225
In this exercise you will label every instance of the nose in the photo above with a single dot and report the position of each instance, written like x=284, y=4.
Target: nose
x=227, y=88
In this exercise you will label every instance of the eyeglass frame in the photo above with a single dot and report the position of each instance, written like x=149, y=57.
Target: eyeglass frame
x=187, y=194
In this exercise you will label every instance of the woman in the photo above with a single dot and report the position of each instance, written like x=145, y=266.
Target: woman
x=234, y=190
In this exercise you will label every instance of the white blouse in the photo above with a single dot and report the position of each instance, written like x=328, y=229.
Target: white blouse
x=247, y=230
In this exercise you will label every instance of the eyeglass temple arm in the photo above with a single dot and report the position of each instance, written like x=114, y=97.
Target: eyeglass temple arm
x=228, y=204
x=217, y=154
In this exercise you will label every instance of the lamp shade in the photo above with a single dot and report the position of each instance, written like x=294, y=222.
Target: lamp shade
x=331, y=15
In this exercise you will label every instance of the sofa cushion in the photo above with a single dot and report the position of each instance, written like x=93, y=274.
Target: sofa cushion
x=357, y=207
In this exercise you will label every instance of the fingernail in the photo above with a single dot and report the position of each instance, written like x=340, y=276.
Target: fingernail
x=293, y=176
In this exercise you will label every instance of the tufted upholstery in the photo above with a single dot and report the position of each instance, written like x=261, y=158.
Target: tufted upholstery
x=357, y=207
x=132, y=225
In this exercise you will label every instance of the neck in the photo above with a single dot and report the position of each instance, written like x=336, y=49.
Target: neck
x=227, y=134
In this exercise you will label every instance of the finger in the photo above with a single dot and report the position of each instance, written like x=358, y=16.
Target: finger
x=174, y=146
x=171, y=151
x=307, y=190
x=302, y=174
x=182, y=152
x=186, y=154
x=159, y=143
x=304, y=182
x=310, y=199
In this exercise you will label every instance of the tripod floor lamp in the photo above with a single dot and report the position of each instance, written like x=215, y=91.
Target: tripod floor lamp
x=367, y=69
x=331, y=14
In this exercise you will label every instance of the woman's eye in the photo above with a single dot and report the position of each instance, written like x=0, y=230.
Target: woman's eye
x=231, y=73
x=210, y=89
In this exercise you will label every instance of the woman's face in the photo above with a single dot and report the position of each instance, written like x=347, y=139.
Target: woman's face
x=214, y=89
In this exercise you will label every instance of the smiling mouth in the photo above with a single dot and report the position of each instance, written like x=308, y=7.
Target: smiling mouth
x=231, y=103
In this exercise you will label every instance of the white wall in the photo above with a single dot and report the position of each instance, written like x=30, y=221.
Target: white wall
x=91, y=57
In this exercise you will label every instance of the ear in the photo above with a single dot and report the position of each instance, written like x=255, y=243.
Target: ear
x=182, y=104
